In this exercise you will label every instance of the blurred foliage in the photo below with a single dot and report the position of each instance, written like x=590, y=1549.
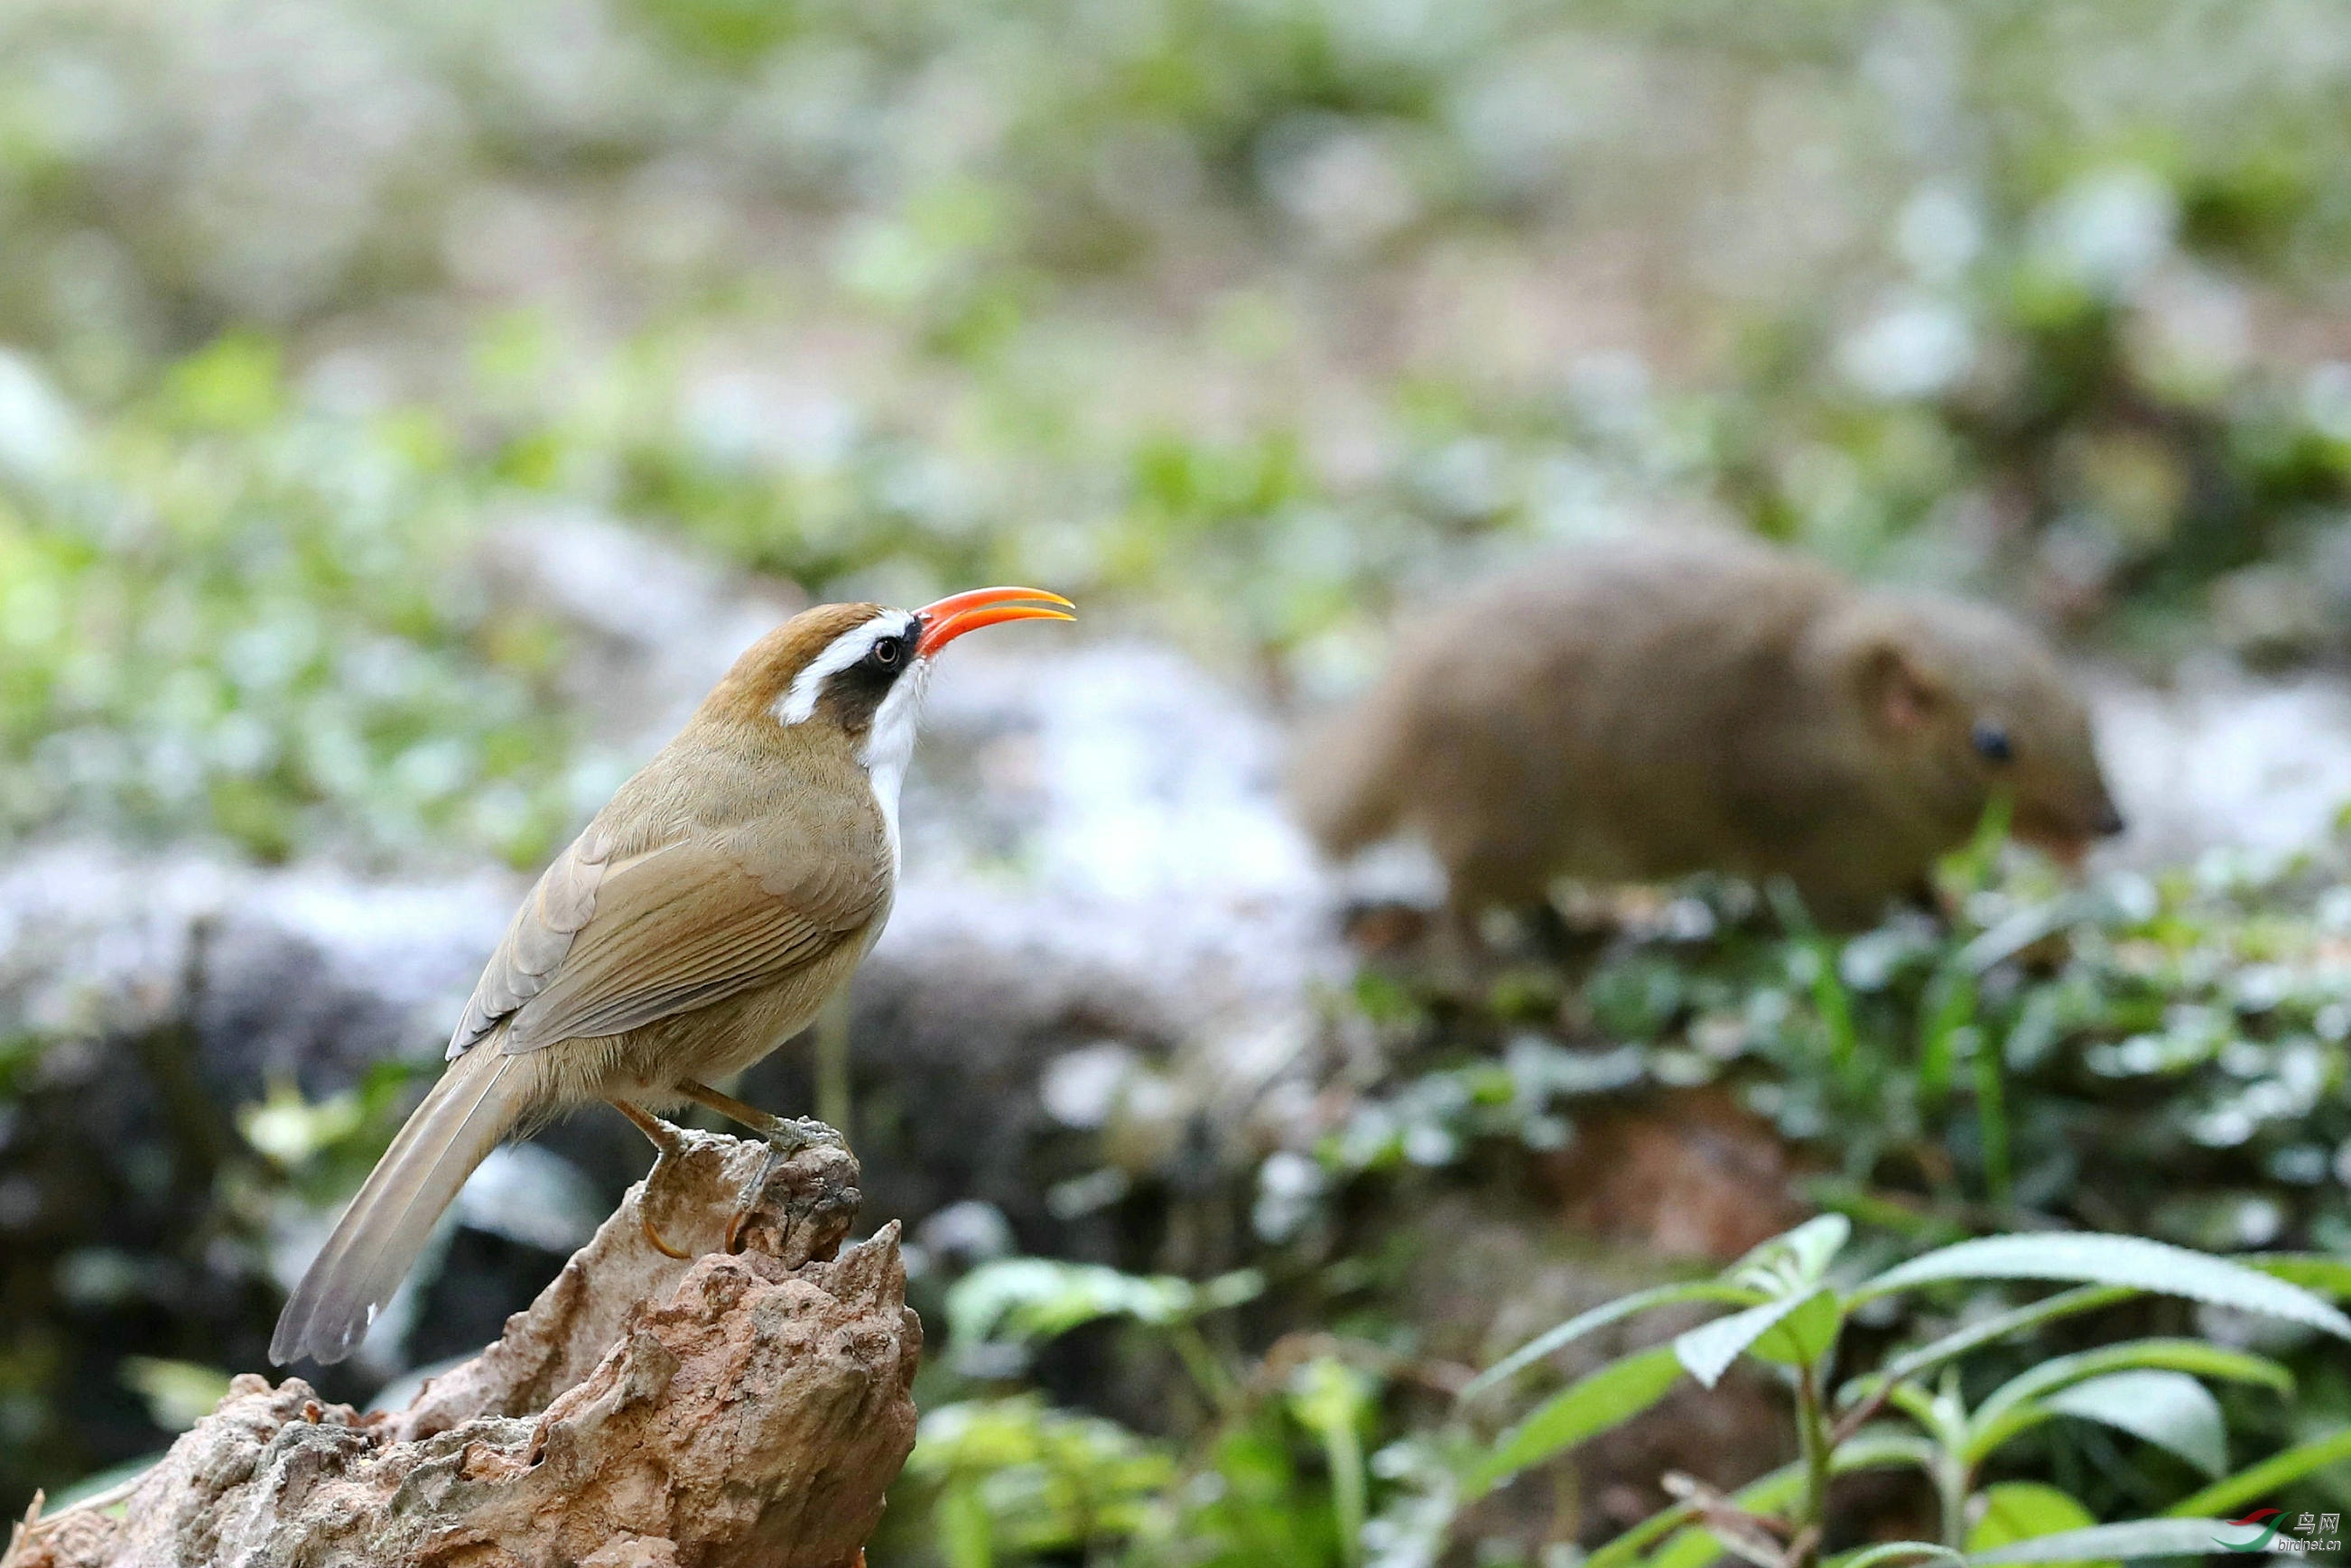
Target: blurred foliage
x=224, y=614
x=2161, y=1055
x=2164, y=1058
x=1263, y=313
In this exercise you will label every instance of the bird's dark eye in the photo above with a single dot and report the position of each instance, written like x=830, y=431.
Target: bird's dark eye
x=1992, y=744
x=888, y=651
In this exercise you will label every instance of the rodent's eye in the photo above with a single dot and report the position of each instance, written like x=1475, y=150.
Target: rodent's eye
x=887, y=653
x=1992, y=742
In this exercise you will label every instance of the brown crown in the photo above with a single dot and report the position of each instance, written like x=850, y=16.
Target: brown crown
x=767, y=668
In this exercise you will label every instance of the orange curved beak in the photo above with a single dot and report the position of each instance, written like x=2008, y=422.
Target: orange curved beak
x=958, y=614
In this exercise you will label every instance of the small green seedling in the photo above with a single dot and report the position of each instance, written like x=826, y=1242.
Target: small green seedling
x=1789, y=1313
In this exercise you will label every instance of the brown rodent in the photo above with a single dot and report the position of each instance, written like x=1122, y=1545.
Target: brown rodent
x=1656, y=706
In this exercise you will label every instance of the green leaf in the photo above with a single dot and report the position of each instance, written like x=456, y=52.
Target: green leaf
x=1692, y=1547
x=1939, y=1414
x=179, y=1393
x=1804, y=1335
x=1331, y=1399
x=1795, y=1259
x=1928, y=1356
x=2314, y=1271
x=2169, y=1410
x=1830, y=997
x=2140, y=1538
x=1623, y=1548
x=1954, y=992
x=1884, y=1447
x=1708, y=1349
x=2015, y=1405
x=1608, y=1397
x=2026, y=1511
x=1024, y=1300
x=965, y=1535
x=2257, y=1481
x=1895, y=1552
x=2129, y=1260
x=1575, y=1328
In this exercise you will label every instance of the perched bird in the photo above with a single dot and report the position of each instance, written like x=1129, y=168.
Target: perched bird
x=1660, y=704
x=703, y=918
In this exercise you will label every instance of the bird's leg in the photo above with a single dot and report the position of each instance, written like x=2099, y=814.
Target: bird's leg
x=666, y=1145
x=789, y=1135
x=830, y=1056
x=785, y=1135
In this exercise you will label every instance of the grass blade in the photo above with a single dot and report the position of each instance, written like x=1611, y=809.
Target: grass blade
x=1623, y=1307
x=1583, y=1409
x=1708, y=1351
x=2131, y=1260
x=2257, y=1482
x=1895, y=1552
x=2140, y=1538
x=1928, y=1356
x=2169, y=1410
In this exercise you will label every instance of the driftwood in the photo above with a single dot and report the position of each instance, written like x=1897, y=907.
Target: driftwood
x=644, y=1412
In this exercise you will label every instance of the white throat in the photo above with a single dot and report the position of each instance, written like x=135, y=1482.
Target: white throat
x=890, y=746
x=889, y=743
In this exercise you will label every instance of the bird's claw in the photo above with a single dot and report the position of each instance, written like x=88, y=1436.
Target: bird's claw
x=666, y=1145
x=786, y=1137
x=750, y=1198
x=653, y=1238
x=665, y=1153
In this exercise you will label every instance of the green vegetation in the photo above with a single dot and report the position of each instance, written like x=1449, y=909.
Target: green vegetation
x=1792, y=1317
x=1008, y=1480
x=2137, y=1085
x=225, y=614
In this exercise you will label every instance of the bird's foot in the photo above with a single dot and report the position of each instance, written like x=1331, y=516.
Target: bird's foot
x=786, y=1137
x=667, y=1145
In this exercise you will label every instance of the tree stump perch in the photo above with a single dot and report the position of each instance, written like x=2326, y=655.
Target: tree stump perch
x=644, y=1412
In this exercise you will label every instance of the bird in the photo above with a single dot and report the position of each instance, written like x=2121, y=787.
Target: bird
x=1640, y=708
x=724, y=894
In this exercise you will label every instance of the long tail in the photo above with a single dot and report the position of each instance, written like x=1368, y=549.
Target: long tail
x=478, y=1100
x=1347, y=780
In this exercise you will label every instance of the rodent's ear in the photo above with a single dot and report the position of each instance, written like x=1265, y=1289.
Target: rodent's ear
x=1901, y=693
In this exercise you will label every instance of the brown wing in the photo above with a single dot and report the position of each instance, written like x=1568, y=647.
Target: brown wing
x=681, y=929
x=628, y=925
x=534, y=945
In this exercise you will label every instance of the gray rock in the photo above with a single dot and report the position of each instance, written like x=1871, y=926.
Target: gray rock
x=303, y=974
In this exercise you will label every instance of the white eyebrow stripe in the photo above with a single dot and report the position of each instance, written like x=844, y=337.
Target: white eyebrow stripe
x=798, y=704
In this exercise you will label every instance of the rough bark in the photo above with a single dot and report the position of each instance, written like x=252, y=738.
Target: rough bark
x=644, y=1412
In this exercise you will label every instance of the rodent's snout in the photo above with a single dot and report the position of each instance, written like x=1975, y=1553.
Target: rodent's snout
x=2068, y=829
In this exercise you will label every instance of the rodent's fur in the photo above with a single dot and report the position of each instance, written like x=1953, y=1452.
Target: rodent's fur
x=1672, y=703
